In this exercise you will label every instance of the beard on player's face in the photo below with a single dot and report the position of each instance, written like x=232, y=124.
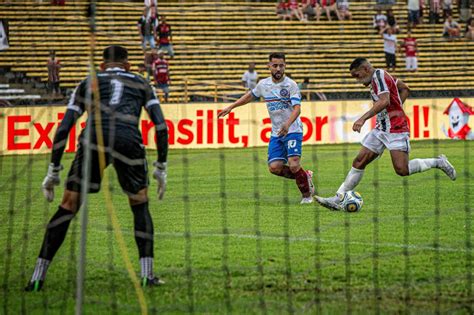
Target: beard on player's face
x=278, y=75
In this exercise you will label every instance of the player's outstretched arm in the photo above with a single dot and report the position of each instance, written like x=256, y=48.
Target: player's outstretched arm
x=59, y=144
x=403, y=89
x=381, y=104
x=245, y=99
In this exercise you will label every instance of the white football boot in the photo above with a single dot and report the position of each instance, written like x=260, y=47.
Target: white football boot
x=332, y=203
x=446, y=167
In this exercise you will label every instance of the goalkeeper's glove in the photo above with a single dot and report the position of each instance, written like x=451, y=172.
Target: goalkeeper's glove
x=160, y=175
x=52, y=179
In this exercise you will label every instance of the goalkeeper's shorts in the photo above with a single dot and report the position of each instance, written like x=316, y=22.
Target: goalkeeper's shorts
x=128, y=159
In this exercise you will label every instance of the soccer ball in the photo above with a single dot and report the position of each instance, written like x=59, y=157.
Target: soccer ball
x=352, y=201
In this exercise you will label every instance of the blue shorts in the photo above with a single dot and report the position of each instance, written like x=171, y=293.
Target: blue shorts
x=280, y=148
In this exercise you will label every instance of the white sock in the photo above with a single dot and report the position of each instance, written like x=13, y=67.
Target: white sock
x=41, y=268
x=353, y=179
x=421, y=165
x=146, y=264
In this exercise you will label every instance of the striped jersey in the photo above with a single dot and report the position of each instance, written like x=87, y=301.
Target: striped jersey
x=280, y=98
x=392, y=119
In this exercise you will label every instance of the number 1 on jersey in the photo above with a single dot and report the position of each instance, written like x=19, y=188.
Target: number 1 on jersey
x=117, y=91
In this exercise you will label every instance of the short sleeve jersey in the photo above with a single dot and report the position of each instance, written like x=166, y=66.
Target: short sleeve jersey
x=122, y=96
x=410, y=46
x=392, y=119
x=280, y=98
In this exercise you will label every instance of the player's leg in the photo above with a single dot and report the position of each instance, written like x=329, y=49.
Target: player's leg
x=132, y=171
x=372, y=148
x=54, y=237
x=399, y=146
x=144, y=236
x=304, y=179
x=277, y=159
x=57, y=227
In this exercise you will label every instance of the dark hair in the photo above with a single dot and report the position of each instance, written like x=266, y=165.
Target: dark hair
x=276, y=56
x=357, y=63
x=115, y=53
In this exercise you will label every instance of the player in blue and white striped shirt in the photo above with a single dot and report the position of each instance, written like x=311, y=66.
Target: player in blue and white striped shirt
x=283, y=99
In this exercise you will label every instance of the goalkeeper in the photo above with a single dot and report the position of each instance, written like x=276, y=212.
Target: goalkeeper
x=115, y=137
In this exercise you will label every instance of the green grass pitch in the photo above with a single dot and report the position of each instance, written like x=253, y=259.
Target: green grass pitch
x=252, y=248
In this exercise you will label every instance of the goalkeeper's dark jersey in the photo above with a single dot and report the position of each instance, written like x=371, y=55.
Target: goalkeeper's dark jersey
x=122, y=96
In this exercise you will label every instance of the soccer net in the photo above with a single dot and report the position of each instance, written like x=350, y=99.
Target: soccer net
x=230, y=236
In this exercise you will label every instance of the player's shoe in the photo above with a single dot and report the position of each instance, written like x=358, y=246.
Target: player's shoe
x=332, y=203
x=153, y=282
x=447, y=167
x=34, y=286
x=310, y=183
x=306, y=200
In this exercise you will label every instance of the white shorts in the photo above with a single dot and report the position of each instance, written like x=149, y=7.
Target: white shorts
x=377, y=140
x=411, y=63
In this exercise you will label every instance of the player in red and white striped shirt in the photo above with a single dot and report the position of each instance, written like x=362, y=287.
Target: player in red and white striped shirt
x=391, y=132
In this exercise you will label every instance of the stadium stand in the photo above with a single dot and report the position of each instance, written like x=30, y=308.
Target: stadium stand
x=214, y=42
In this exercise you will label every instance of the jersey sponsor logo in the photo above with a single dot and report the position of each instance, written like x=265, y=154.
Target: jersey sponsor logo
x=284, y=93
x=272, y=106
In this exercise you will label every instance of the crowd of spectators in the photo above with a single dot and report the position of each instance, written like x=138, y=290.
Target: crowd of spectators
x=306, y=10
x=155, y=32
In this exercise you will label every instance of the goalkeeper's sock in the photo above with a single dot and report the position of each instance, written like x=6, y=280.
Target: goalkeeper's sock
x=421, y=165
x=302, y=182
x=41, y=267
x=55, y=233
x=146, y=265
x=143, y=229
x=353, y=178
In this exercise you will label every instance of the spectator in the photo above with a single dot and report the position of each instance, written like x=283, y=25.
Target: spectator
x=311, y=9
x=389, y=47
x=447, y=9
x=411, y=50
x=329, y=6
x=282, y=10
x=413, y=13
x=469, y=34
x=147, y=29
x=54, y=67
x=166, y=38
x=150, y=57
x=435, y=10
x=343, y=10
x=295, y=10
x=380, y=20
x=162, y=74
x=452, y=29
x=392, y=21
x=250, y=77
x=465, y=12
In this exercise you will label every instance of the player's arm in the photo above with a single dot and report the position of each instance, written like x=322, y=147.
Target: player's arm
x=245, y=99
x=403, y=89
x=74, y=110
x=380, y=105
x=156, y=115
x=294, y=115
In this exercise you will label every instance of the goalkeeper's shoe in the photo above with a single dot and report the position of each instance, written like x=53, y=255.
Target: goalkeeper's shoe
x=332, y=203
x=153, y=282
x=34, y=286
